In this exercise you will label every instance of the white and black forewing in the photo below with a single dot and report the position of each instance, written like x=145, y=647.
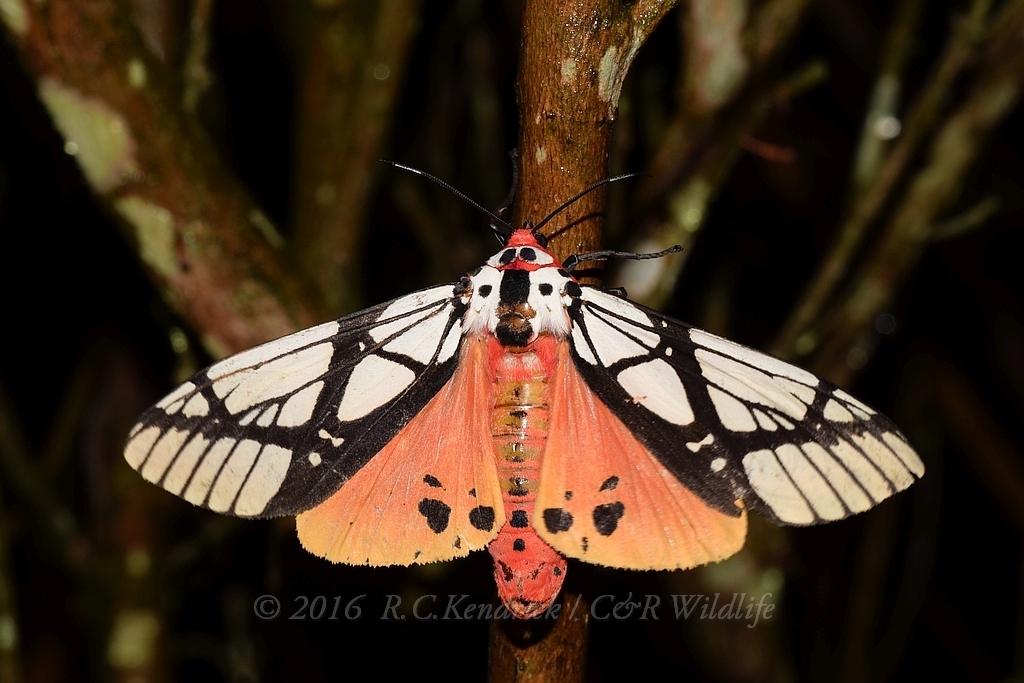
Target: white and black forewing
x=733, y=423
x=277, y=429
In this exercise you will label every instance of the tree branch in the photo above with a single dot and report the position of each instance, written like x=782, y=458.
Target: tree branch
x=211, y=252
x=957, y=146
x=352, y=74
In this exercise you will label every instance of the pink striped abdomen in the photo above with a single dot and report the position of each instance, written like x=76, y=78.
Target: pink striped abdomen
x=528, y=572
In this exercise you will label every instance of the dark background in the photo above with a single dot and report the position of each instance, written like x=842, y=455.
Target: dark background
x=928, y=585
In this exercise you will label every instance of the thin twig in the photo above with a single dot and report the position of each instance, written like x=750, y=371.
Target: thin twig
x=956, y=147
x=351, y=78
x=923, y=117
x=652, y=283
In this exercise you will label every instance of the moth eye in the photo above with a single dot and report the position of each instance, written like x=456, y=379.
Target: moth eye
x=527, y=254
x=484, y=290
x=508, y=256
x=573, y=289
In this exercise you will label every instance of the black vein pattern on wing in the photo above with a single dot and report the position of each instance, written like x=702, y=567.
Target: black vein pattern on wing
x=306, y=483
x=666, y=440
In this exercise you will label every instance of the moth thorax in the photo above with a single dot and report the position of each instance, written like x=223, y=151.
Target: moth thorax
x=515, y=324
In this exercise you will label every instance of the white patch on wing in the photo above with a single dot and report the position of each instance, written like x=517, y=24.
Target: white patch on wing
x=656, y=386
x=611, y=344
x=266, y=418
x=718, y=464
x=885, y=459
x=801, y=391
x=163, y=453
x=335, y=440
x=139, y=446
x=277, y=378
x=451, y=342
x=733, y=414
x=374, y=382
x=298, y=409
x=668, y=351
x=751, y=357
x=836, y=412
x=176, y=395
x=233, y=475
x=815, y=489
x=275, y=349
x=848, y=489
x=197, y=406
x=784, y=422
x=204, y=475
x=264, y=481
x=314, y=459
x=420, y=342
x=695, y=446
x=748, y=384
x=770, y=481
x=905, y=453
x=398, y=316
x=185, y=464
x=579, y=343
x=866, y=473
x=764, y=422
x=852, y=402
x=249, y=417
x=624, y=309
x=174, y=407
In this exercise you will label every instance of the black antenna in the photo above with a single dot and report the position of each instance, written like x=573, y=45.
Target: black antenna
x=576, y=259
x=495, y=219
x=581, y=195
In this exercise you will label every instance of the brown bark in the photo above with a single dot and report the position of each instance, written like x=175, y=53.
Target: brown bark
x=212, y=253
x=537, y=651
x=352, y=75
x=573, y=61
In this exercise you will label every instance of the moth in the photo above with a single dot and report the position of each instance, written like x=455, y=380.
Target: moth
x=520, y=411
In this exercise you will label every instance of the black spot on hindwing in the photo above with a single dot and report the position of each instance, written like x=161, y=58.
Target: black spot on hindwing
x=557, y=519
x=431, y=480
x=607, y=516
x=437, y=514
x=482, y=517
x=609, y=484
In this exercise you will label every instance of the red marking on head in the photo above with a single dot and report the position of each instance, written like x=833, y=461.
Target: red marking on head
x=528, y=580
x=524, y=237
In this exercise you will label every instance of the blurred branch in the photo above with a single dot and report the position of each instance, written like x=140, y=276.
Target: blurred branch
x=195, y=71
x=204, y=242
x=986, y=446
x=10, y=636
x=957, y=145
x=351, y=77
x=969, y=220
x=881, y=122
x=652, y=282
x=19, y=470
x=922, y=119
